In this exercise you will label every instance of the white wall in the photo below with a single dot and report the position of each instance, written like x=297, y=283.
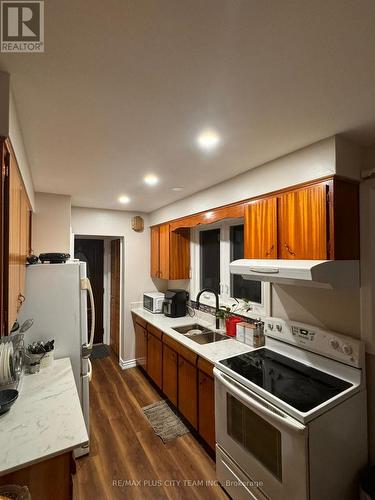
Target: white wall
x=136, y=275
x=312, y=162
x=51, y=223
x=16, y=138
x=10, y=127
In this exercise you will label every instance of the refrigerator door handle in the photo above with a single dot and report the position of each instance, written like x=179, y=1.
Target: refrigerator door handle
x=87, y=348
x=89, y=373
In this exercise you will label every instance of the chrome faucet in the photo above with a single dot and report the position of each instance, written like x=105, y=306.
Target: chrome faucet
x=217, y=303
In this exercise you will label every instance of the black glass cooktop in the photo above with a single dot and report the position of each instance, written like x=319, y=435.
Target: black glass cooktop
x=301, y=386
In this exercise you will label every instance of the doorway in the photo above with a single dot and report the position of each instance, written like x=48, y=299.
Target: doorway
x=103, y=257
x=91, y=251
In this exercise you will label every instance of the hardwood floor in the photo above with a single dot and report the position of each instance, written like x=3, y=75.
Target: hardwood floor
x=127, y=459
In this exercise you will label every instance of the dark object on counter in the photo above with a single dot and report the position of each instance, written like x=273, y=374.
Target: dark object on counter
x=32, y=259
x=41, y=347
x=7, y=398
x=54, y=258
x=175, y=303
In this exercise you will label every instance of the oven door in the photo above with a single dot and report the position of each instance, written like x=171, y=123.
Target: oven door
x=268, y=445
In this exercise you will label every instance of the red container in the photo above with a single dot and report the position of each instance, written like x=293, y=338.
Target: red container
x=230, y=325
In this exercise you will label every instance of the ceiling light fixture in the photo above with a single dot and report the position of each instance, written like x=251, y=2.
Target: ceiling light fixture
x=124, y=199
x=151, y=179
x=208, y=139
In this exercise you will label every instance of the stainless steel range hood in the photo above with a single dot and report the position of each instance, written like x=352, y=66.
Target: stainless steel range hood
x=317, y=273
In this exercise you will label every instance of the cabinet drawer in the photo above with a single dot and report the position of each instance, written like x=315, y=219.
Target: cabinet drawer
x=155, y=331
x=183, y=351
x=139, y=320
x=205, y=366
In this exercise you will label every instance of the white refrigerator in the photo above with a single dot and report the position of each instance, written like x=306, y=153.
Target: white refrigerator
x=56, y=298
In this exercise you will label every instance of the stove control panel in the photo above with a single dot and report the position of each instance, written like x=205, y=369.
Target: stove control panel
x=312, y=338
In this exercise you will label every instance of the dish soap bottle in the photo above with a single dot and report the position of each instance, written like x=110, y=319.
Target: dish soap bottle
x=258, y=334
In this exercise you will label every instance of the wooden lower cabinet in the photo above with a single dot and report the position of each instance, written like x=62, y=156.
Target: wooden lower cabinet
x=48, y=479
x=170, y=374
x=155, y=359
x=140, y=346
x=185, y=378
x=206, y=408
x=187, y=391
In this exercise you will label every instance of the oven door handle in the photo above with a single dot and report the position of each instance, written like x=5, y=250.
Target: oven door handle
x=261, y=409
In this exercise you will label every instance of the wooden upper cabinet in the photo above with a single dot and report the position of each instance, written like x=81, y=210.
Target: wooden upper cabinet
x=18, y=241
x=302, y=223
x=155, y=251
x=24, y=237
x=170, y=253
x=261, y=229
x=14, y=279
x=164, y=251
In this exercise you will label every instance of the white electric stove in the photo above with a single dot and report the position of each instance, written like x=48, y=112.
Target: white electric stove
x=291, y=416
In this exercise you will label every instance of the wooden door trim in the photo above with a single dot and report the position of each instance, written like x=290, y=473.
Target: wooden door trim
x=115, y=343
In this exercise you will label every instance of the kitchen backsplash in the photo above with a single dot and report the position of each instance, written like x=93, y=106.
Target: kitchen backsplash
x=211, y=310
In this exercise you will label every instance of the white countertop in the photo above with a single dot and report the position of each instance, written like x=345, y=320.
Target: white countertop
x=212, y=352
x=45, y=421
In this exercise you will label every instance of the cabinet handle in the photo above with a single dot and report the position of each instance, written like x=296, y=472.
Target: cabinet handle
x=289, y=249
x=268, y=253
x=21, y=298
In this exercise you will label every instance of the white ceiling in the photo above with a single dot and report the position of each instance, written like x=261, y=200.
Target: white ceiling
x=125, y=86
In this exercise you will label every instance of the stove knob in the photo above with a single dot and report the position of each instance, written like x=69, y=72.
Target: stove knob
x=334, y=344
x=347, y=349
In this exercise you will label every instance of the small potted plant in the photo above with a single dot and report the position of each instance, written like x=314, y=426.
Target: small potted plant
x=227, y=314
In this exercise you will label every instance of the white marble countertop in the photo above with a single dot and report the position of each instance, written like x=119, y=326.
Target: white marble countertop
x=212, y=352
x=45, y=421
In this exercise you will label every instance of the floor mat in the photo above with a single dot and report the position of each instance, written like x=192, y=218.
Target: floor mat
x=166, y=424
x=100, y=351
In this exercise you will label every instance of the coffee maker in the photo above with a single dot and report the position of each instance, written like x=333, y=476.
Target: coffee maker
x=175, y=303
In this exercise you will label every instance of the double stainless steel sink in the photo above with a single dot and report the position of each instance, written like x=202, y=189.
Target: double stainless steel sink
x=200, y=334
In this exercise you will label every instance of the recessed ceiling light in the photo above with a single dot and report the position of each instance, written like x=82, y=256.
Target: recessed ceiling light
x=177, y=189
x=151, y=179
x=208, y=139
x=124, y=199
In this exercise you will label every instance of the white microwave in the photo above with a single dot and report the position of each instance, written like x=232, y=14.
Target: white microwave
x=153, y=301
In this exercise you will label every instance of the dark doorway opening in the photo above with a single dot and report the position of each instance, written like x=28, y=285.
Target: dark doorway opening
x=91, y=251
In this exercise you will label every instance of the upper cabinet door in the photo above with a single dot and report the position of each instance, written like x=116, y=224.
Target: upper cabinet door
x=261, y=229
x=14, y=243
x=24, y=237
x=303, y=223
x=164, y=251
x=155, y=252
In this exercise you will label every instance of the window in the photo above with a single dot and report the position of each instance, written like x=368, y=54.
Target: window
x=213, y=248
x=241, y=288
x=209, y=244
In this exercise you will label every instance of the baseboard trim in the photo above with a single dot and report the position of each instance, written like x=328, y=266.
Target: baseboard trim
x=131, y=363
